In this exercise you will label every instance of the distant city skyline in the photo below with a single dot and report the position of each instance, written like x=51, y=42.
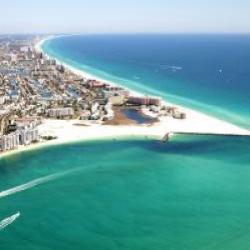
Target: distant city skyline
x=110, y=16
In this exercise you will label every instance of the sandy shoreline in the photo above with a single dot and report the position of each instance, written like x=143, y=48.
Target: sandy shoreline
x=68, y=131
x=76, y=131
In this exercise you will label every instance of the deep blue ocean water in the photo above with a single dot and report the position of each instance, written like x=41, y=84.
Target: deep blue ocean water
x=210, y=73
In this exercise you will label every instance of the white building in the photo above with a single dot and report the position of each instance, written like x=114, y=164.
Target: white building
x=60, y=112
x=24, y=135
x=94, y=107
x=8, y=142
x=2, y=99
x=109, y=112
x=28, y=135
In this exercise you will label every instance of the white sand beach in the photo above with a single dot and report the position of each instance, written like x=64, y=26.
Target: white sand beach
x=75, y=130
x=67, y=131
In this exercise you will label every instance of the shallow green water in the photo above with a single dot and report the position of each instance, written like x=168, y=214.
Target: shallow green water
x=192, y=193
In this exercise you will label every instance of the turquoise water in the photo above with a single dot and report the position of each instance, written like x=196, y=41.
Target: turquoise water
x=209, y=73
x=192, y=193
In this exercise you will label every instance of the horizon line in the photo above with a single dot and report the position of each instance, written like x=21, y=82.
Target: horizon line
x=123, y=33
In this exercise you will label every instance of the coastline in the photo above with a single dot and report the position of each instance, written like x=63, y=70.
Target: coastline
x=65, y=141
x=70, y=131
x=87, y=75
x=136, y=87
x=82, y=73
x=75, y=131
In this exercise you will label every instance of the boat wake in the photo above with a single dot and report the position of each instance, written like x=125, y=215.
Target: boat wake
x=9, y=220
x=34, y=183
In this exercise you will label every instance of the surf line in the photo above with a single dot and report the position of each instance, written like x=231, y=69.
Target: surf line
x=35, y=182
x=9, y=220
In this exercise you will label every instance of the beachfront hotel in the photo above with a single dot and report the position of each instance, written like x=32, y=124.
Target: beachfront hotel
x=24, y=135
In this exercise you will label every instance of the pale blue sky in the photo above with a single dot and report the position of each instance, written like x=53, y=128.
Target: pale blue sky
x=111, y=16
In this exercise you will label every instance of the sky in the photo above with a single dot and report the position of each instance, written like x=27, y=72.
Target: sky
x=124, y=16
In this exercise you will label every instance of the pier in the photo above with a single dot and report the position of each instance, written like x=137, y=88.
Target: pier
x=167, y=135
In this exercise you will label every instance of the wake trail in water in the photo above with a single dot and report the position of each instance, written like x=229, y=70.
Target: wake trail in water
x=9, y=220
x=34, y=183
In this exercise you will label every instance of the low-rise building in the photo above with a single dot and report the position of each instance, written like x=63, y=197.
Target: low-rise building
x=144, y=101
x=60, y=112
x=109, y=112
